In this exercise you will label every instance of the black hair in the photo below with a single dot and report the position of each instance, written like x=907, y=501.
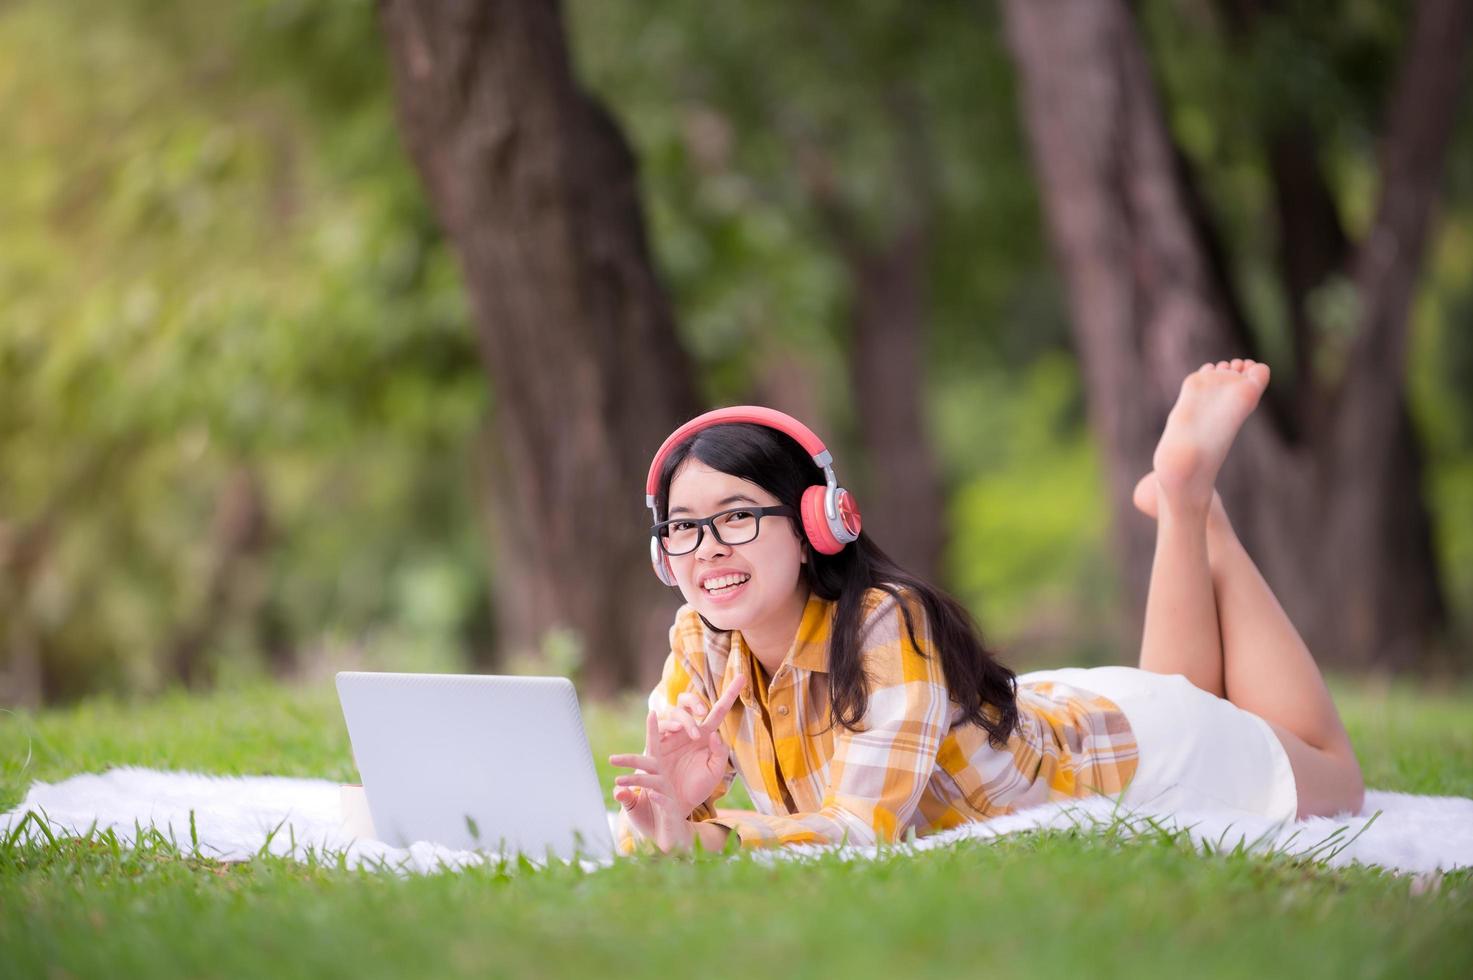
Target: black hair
x=984, y=688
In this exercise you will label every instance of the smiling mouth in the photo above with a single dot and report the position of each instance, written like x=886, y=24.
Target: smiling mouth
x=729, y=584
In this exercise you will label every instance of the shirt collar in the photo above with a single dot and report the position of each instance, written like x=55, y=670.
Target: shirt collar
x=810, y=649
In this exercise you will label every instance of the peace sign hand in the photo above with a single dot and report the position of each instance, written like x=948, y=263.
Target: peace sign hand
x=684, y=761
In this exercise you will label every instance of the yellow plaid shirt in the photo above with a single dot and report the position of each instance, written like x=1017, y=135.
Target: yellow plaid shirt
x=912, y=766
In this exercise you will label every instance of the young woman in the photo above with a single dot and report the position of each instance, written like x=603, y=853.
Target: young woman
x=859, y=703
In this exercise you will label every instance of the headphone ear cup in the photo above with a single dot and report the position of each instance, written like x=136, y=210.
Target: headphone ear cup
x=850, y=523
x=816, y=524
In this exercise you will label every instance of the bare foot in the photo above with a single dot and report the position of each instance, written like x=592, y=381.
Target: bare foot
x=1213, y=403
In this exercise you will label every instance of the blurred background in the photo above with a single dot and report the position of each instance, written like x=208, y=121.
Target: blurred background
x=341, y=334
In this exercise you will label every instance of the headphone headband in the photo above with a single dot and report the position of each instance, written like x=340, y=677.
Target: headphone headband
x=756, y=414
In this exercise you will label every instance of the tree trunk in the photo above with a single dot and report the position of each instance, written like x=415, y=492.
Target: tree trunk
x=538, y=194
x=23, y=552
x=1335, y=518
x=239, y=536
x=785, y=380
x=1393, y=593
x=902, y=501
x=900, y=492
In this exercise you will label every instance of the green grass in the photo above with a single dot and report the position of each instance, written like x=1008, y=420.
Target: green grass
x=1051, y=903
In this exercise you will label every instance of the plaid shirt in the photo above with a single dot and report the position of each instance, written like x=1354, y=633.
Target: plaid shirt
x=913, y=765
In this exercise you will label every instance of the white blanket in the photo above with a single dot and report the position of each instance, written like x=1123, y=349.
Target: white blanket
x=236, y=817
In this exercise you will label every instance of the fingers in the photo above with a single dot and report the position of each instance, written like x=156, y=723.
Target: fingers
x=680, y=720
x=670, y=726
x=631, y=760
x=657, y=725
x=716, y=761
x=687, y=714
x=720, y=709
x=637, y=800
x=645, y=780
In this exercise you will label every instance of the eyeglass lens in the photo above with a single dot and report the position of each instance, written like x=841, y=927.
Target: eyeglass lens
x=737, y=527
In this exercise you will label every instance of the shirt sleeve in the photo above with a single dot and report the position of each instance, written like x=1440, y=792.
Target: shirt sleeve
x=878, y=773
x=678, y=676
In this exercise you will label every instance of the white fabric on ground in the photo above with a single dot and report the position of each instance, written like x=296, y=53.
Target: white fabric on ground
x=234, y=815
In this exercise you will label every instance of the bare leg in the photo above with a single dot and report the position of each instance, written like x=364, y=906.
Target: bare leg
x=1181, y=634
x=1269, y=670
x=1264, y=666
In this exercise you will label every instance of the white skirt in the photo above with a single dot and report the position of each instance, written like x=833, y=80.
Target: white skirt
x=1196, y=749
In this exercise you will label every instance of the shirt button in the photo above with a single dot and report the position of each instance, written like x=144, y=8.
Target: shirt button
x=782, y=709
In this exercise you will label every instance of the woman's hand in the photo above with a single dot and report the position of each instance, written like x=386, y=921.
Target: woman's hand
x=655, y=815
x=684, y=761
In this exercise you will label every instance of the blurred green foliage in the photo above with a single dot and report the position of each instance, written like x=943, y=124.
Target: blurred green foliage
x=215, y=256
x=211, y=263
x=747, y=118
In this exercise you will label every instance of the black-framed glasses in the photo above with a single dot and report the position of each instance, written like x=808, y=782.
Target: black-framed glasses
x=739, y=525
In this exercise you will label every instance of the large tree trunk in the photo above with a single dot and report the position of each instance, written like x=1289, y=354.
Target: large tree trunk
x=1333, y=513
x=537, y=191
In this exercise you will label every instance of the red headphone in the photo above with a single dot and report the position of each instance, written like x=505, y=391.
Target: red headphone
x=830, y=515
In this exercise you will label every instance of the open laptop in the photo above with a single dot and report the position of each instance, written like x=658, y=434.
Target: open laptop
x=476, y=762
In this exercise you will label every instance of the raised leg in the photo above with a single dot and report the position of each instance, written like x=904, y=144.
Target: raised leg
x=1268, y=669
x=1181, y=634
x=1246, y=650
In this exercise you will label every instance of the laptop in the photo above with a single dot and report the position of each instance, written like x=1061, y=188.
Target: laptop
x=474, y=761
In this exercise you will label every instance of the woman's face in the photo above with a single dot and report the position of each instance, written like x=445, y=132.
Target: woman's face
x=771, y=563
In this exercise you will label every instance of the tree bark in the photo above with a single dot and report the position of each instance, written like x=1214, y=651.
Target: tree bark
x=1335, y=518
x=537, y=192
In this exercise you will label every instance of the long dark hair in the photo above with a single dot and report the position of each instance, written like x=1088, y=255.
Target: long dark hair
x=777, y=463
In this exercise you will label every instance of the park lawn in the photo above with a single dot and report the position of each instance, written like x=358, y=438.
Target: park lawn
x=1041, y=903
